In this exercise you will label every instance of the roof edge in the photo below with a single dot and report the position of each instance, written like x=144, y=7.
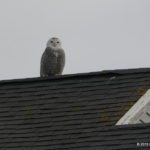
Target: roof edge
x=103, y=72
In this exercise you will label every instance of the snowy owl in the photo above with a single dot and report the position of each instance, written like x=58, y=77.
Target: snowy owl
x=53, y=59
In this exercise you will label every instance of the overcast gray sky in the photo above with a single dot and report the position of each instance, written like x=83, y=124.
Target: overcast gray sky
x=96, y=34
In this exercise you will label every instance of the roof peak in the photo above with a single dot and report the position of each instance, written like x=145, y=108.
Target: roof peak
x=103, y=72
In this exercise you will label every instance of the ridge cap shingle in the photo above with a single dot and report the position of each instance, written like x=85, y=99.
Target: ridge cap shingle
x=86, y=74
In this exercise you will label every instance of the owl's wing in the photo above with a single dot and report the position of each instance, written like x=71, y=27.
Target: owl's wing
x=42, y=65
x=60, y=61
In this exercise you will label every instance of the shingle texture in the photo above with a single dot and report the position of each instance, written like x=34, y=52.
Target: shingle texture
x=72, y=112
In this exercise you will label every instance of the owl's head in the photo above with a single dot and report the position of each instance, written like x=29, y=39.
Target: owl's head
x=54, y=43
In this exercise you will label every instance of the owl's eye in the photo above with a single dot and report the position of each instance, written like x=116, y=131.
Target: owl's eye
x=51, y=41
x=57, y=41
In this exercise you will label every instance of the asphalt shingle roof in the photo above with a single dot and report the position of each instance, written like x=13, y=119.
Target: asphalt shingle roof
x=76, y=112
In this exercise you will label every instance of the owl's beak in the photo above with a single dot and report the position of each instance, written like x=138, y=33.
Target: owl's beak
x=54, y=44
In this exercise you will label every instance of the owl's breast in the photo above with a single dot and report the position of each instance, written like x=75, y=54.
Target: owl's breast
x=55, y=54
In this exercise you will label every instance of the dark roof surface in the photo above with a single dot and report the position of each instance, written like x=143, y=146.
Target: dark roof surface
x=72, y=111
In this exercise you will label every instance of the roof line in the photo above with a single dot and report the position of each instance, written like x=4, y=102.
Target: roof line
x=101, y=73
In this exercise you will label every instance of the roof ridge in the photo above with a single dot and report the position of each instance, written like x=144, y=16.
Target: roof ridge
x=103, y=72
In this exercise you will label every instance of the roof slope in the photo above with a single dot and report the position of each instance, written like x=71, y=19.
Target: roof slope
x=72, y=111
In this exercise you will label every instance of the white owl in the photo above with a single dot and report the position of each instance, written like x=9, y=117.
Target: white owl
x=53, y=59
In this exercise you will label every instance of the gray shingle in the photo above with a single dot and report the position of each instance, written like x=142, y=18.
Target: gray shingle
x=72, y=111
